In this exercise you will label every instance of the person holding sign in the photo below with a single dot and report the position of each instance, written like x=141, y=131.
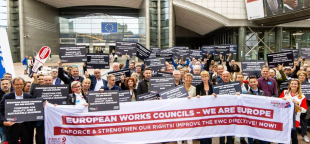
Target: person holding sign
x=5, y=89
x=96, y=81
x=69, y=79
x=23, y=131
x=268, y=85
x=177, y=77
x=205, y=87
x=56, y=80
x=190, y=88
x=111, y=84
x=144, y=85
x=130, y=85
x=77, y=97
x=280, y=80
x=294, y=93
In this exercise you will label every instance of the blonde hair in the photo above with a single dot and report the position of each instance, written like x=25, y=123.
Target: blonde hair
x=86, y=80
x=179, y=67
x=188, y=74
x=74, y=83
x=204, y=73
x=299, y=87
x=109, y=76
x=301, y=72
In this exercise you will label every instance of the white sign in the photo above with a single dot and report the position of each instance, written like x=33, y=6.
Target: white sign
x=41, y=58
x=255, y=9
x=5, y=54
x=259, y=117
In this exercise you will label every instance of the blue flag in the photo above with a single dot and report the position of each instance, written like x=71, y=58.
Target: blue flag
x=109, y=27
x=2, y=68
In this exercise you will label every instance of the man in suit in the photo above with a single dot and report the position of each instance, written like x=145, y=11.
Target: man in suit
x=56, y=80
x=69, y=79
x=5, y=88
x=16, y=130
x=144, y=86
x=96, y=81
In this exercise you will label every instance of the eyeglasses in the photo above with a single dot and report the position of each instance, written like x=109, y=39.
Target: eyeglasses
x=77, y=87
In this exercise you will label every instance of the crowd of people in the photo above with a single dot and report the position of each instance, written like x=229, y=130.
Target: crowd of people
x=212, y=72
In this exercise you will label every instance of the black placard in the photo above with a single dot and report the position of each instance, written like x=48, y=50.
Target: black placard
x=155, y=50
x=233, y=49
x=207, y=50
x=196, y=79
x=286, y=58
x=98, y=60
x=55, y=94
x=305, y=89
x=221, y=49
x=23, y=110
x=178, y=53
x=227, y=88
x=167, y=56
x=155, y=63
x=176, y=92
x=118, y=74
x=159, y=84
x=169, y=50
x=163, y=74
x=103, y=101
x=305, y=53
x=124, y=96
x=197, y=54
x=147, y=97
x=72, y=53
x=180, y=47
x=295, y=52
x=253, y=67
x=142, y=52
x=123, y=48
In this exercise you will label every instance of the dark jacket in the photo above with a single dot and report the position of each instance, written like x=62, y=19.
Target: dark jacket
x=71, y=98
x=115, y=87
x=126, y=88
x=94, y=82
x=32, y=87
x=142, y=87
x=1, y=94
x=180, y=82
x=11, y=95
x=200, y=89
x=67, y=80
x=251, y=92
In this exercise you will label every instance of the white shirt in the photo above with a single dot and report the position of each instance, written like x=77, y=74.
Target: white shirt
x=243, y=88
x=99, y=84
x=19, y=97
x=79, y=100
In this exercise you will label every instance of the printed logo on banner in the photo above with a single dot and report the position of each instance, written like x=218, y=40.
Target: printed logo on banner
x=12, y=119
x=96, y=108
x=57, y=140
x=281, y=104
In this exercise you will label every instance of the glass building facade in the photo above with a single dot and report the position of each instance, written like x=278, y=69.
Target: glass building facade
x=83, y=26
x=3, y=13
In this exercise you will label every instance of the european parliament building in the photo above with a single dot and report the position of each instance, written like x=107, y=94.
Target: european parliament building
x=258, y=27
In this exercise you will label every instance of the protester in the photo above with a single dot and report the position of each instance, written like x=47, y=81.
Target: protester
x=56, y=80
x=234, y=69
x=25, y=64
x=197, y=69
x=280, y=80
x=299, y=100
x=143, y=85
x=86, y=86
x=30, y=64
x=110, y=85
x=205, y=87
x=27, y=87
x=139, y=73
x=170, y=69
x=77, y=97
x=130, y=84
x=268, y=85
x=180, y=63
x=177, y=78
x=5, y=88
x=303, y=117
x=96, y=80
x=37, y=80
x=308, y=75
x=23, y=131
x=69, y=79
x=189, y=87
x=244, y=86
x=254, y=90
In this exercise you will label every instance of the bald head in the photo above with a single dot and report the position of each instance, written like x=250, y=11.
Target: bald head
x=226, y=77
x=115, y=66
x=97, y=74
x=48, y=80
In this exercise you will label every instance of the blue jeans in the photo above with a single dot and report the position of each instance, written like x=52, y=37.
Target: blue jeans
x=3, y=135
